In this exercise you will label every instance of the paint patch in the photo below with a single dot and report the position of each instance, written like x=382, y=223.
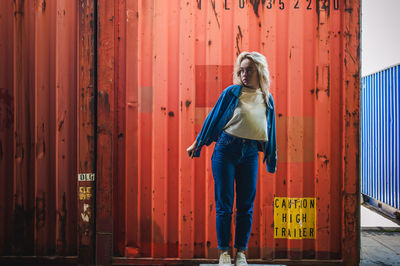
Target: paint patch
x=86, y=177
x=294, y=218
x=210, y=81
x=85, y=193
x=145, y=104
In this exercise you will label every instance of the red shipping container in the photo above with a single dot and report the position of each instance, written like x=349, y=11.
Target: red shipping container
x=47, y=137
x=169, y=62
x=100, y=99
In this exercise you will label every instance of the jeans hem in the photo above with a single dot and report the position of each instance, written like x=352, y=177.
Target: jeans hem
x=241, y=248
x=224, y=248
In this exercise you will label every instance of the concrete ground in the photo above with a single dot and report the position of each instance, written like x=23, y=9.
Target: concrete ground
x=380, y=248
x=380, y=239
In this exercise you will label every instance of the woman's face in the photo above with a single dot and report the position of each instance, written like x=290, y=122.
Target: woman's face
x=249, y=74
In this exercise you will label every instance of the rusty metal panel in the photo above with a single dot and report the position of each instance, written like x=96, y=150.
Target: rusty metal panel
x=86, y=162
x=171, y=61
x=105, y=130
x=21, y=185
x=6, y=124
x=39, y=118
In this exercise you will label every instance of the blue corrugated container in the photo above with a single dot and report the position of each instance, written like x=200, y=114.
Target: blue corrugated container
x=380, y=153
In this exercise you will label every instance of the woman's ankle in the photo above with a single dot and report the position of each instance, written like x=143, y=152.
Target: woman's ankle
x=222, y=251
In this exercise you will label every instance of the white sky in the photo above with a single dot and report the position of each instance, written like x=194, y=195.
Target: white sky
x=380, y=35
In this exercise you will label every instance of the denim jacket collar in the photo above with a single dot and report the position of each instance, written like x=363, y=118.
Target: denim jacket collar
x=238, y=88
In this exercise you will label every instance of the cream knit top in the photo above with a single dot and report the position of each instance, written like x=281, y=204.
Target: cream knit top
x=249, y=118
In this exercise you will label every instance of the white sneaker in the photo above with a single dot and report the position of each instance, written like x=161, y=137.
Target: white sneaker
x=225, y=259
x=240, y=259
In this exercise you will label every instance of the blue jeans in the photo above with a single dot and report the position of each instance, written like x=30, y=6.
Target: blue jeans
x=234, y=159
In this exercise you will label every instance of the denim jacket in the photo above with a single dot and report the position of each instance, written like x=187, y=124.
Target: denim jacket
x=222, y=113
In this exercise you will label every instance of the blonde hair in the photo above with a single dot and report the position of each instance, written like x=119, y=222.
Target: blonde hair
x=261, y=65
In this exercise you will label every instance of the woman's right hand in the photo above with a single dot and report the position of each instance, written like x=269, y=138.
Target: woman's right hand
x=191, y=149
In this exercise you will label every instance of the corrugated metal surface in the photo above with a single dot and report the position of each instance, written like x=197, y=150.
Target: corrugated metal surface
x=86, y=134
x=39, y=204
x=171, y=61
x=380, y=153
x=40, y=127
x=160, y=68
x=6, y=125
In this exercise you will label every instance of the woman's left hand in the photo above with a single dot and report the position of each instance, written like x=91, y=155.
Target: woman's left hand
x=191, y=149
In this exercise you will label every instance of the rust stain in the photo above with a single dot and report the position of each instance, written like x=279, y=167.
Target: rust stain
x=323, y=158
x=19, y=219
x=104, y=100
x=60, y=125
x=40, y=211
x=40, y=5
x=349, y=53
x=5, y=97
x=92, y=105
x=328, y=84
x=348, y=9
x=239, y=37
x=200, y=244
x=19, y=150
x=6, y=110
x=256, y=4
x=19, y=7
x=62, y=216
x=215, y=13
x=316, y=79
x=326, y=7
x=41, y=145
x=325, y=76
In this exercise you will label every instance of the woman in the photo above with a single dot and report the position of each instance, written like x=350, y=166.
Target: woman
x=242, y=123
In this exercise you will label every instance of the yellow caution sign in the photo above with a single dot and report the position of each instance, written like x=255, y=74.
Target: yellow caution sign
x=294, y=218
